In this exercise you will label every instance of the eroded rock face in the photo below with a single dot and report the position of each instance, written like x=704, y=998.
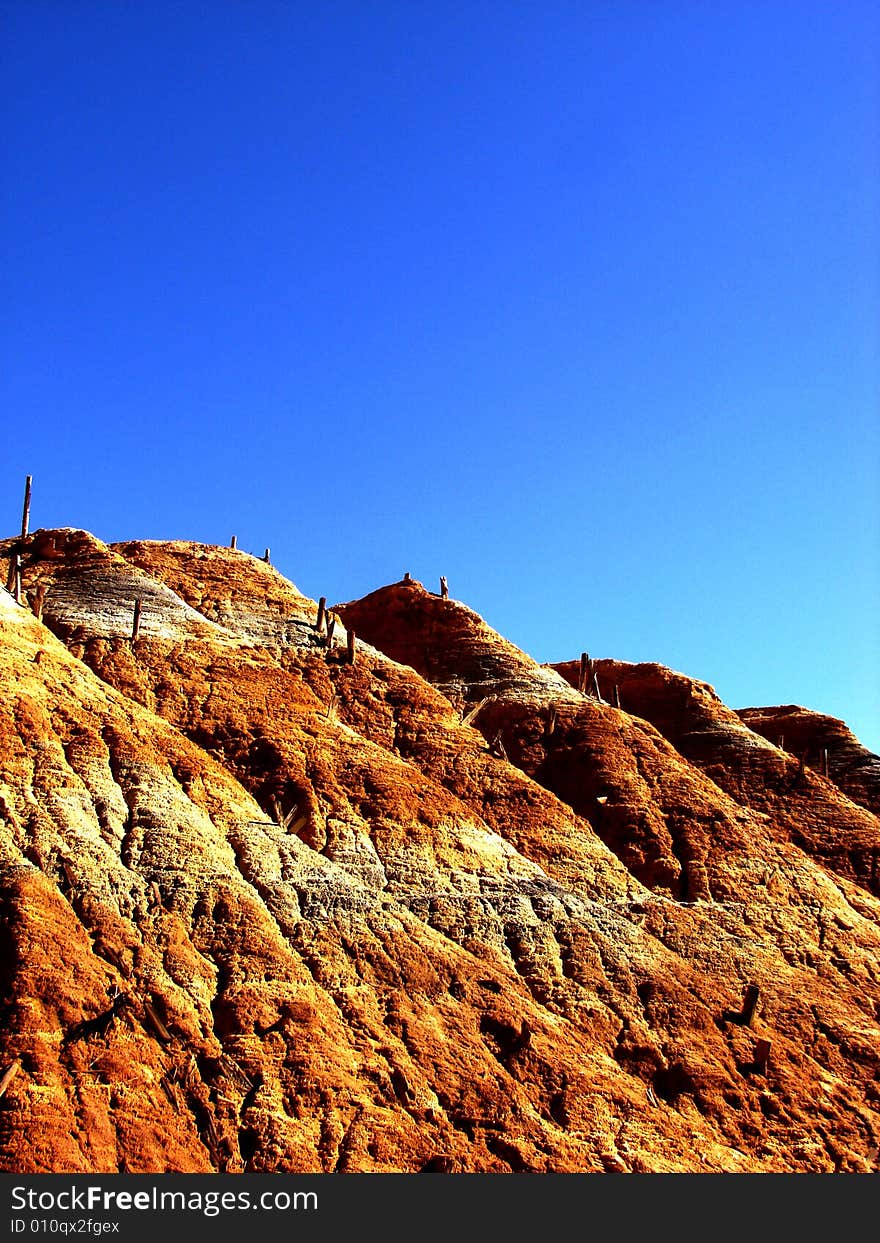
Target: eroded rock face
x=267, y=909
x=822, y=815
x=823, y=744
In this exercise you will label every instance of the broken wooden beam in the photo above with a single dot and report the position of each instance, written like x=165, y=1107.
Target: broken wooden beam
x=444, y=588
x=11, y=1071
x=266, y=557
x=234, y=1072
x=497, y=747
x=136, y=622
x=471, y=714
x=331, y=626
x=155, y=1022
x=322, y=608
x=233, y=543
x=350, y=644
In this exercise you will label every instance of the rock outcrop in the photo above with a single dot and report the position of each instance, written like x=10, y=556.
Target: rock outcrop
x=271, y=908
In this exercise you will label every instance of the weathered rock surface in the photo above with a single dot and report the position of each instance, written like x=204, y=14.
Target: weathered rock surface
x=818, y=814
x=267, y=909
x=824, y=744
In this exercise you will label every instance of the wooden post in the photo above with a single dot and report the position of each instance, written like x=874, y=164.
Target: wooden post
x=444, y=588
x=13, y=568
x=351, y=647
x=322, y=607
x=582, y=673
x=233, y=542
x=38, y=599
x=266, y=557
x=136, y=623
x=17, y=591
x=750, y=1002
x=26, y=512
x=825, y=760
x=407, y=578
x=782, y=742
x=596, y=687
x=331, y=626
x=762, y=1052
x=616, y=695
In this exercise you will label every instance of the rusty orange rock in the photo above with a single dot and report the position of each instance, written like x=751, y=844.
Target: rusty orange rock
x=266, y=908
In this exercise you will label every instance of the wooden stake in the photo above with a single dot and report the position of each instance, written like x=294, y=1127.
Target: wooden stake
x=10, y=1073
x=322, y=606
x=750, y=1002
x=38, y=599
x=26, y=512
x=17, y=591
x=582, y=674
x=616, y=695
x=233, y=542
x=266, y=557
x=136, y=623
x=762, y=1052
x=331, y=626
x=825, y=760
x=407, y=578
x=351, y=647
x=444, y=588
x=596, y=687
x=14, y=563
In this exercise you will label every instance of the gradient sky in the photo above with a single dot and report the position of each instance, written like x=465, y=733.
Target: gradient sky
x=574, y=303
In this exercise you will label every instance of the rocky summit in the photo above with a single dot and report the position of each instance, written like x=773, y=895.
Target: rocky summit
x=365, y=888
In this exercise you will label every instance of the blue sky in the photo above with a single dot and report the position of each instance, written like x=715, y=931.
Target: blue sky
x=574, y=303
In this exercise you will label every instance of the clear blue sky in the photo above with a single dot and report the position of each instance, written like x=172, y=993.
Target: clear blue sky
x=575, y=303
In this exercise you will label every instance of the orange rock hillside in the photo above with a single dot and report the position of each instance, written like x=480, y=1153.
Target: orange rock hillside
x=376, y=892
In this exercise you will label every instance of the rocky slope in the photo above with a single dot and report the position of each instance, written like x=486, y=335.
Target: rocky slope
x=270, y=908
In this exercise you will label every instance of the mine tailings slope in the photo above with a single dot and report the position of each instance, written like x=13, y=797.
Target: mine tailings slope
x=281, y=899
